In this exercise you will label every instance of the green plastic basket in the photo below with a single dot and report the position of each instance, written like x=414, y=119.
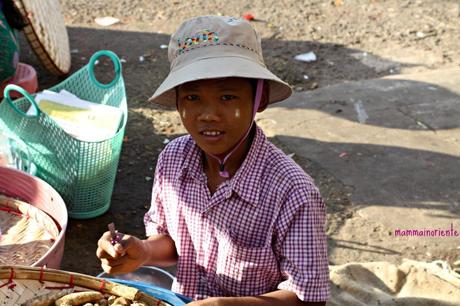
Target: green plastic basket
x=82, y=172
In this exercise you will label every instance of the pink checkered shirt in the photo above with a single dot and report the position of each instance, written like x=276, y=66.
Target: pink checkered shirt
x=260, y=231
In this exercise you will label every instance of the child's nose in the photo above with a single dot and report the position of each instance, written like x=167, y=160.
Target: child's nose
x=209, y=113
x=208, y=117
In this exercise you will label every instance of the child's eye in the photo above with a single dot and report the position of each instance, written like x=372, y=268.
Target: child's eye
x=192, y=97
x=228, y=97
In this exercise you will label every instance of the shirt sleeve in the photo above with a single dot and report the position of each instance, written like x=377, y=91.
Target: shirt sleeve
x=154, y=219
x=302, y=246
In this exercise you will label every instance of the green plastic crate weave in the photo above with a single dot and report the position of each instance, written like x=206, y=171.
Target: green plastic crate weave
x=82, y=172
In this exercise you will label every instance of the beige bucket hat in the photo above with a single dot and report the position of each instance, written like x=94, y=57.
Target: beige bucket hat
x=209, y=47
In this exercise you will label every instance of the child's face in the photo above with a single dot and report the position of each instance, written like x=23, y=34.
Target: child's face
x=216, y=112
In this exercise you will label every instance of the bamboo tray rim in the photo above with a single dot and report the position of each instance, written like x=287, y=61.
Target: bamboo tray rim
x=10, y=273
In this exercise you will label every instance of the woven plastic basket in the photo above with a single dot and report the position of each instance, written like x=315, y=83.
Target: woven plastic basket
x=82, y=172
x=19, y=284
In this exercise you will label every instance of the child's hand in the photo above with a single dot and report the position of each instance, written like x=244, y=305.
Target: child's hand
x=122, y=257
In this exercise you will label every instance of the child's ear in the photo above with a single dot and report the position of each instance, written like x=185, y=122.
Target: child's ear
x=265, y=98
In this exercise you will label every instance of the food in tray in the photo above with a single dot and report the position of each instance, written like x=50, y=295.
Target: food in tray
x=47, y=299
x=86, y=298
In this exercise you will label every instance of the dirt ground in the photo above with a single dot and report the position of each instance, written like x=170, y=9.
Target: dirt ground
x=353, y=40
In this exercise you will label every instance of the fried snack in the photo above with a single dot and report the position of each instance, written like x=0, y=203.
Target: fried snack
x=79, y=298
x=121, y=301
x=47, y=299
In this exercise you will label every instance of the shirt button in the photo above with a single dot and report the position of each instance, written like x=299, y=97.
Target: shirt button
x=228, y=195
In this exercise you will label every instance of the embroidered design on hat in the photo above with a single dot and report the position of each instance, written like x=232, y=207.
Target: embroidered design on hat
x=233, y=19
x=203, y=36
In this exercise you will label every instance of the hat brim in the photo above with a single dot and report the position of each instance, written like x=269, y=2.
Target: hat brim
x=219, y=67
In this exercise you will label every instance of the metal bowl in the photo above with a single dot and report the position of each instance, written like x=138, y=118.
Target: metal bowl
x=146, y=274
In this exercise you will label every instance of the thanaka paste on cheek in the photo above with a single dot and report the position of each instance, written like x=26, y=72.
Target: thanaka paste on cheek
x=183, y=113
x=237, y=113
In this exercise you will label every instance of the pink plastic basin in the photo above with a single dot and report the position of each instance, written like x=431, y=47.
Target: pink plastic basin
x=30, y=189
x=26, y=77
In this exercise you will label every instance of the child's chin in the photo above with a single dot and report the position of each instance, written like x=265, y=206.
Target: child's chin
x=212, y=150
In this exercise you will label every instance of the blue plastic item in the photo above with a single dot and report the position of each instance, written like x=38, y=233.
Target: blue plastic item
x=146, y=274
x=168, y=296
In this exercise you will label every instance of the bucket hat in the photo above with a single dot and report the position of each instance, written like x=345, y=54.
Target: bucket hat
x=209, y=47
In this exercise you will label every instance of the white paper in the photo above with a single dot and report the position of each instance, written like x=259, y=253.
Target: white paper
x=106, y=21
x=80, y=131
x=306, y=57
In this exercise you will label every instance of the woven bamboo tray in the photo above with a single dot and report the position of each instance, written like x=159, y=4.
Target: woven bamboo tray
x=20, y=283
x=46, y=32
x=30, y=189
x=27, y=233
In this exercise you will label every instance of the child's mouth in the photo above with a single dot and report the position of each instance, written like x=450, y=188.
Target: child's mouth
x=212, y=135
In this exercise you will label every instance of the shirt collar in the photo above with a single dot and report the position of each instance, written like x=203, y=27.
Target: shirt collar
x=192, y=165
x=246, y=181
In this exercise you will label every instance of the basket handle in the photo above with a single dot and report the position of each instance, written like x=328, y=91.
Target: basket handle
x=116, y=64
x=6, y=94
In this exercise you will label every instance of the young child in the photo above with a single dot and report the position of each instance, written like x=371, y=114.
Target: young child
x=243, y=222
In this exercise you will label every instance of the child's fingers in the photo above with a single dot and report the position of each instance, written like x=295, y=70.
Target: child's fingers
x=111, y=269
x=126, y=242
x=105, y=247
x=101, y=254
x=116, y=261
x=116, y=266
